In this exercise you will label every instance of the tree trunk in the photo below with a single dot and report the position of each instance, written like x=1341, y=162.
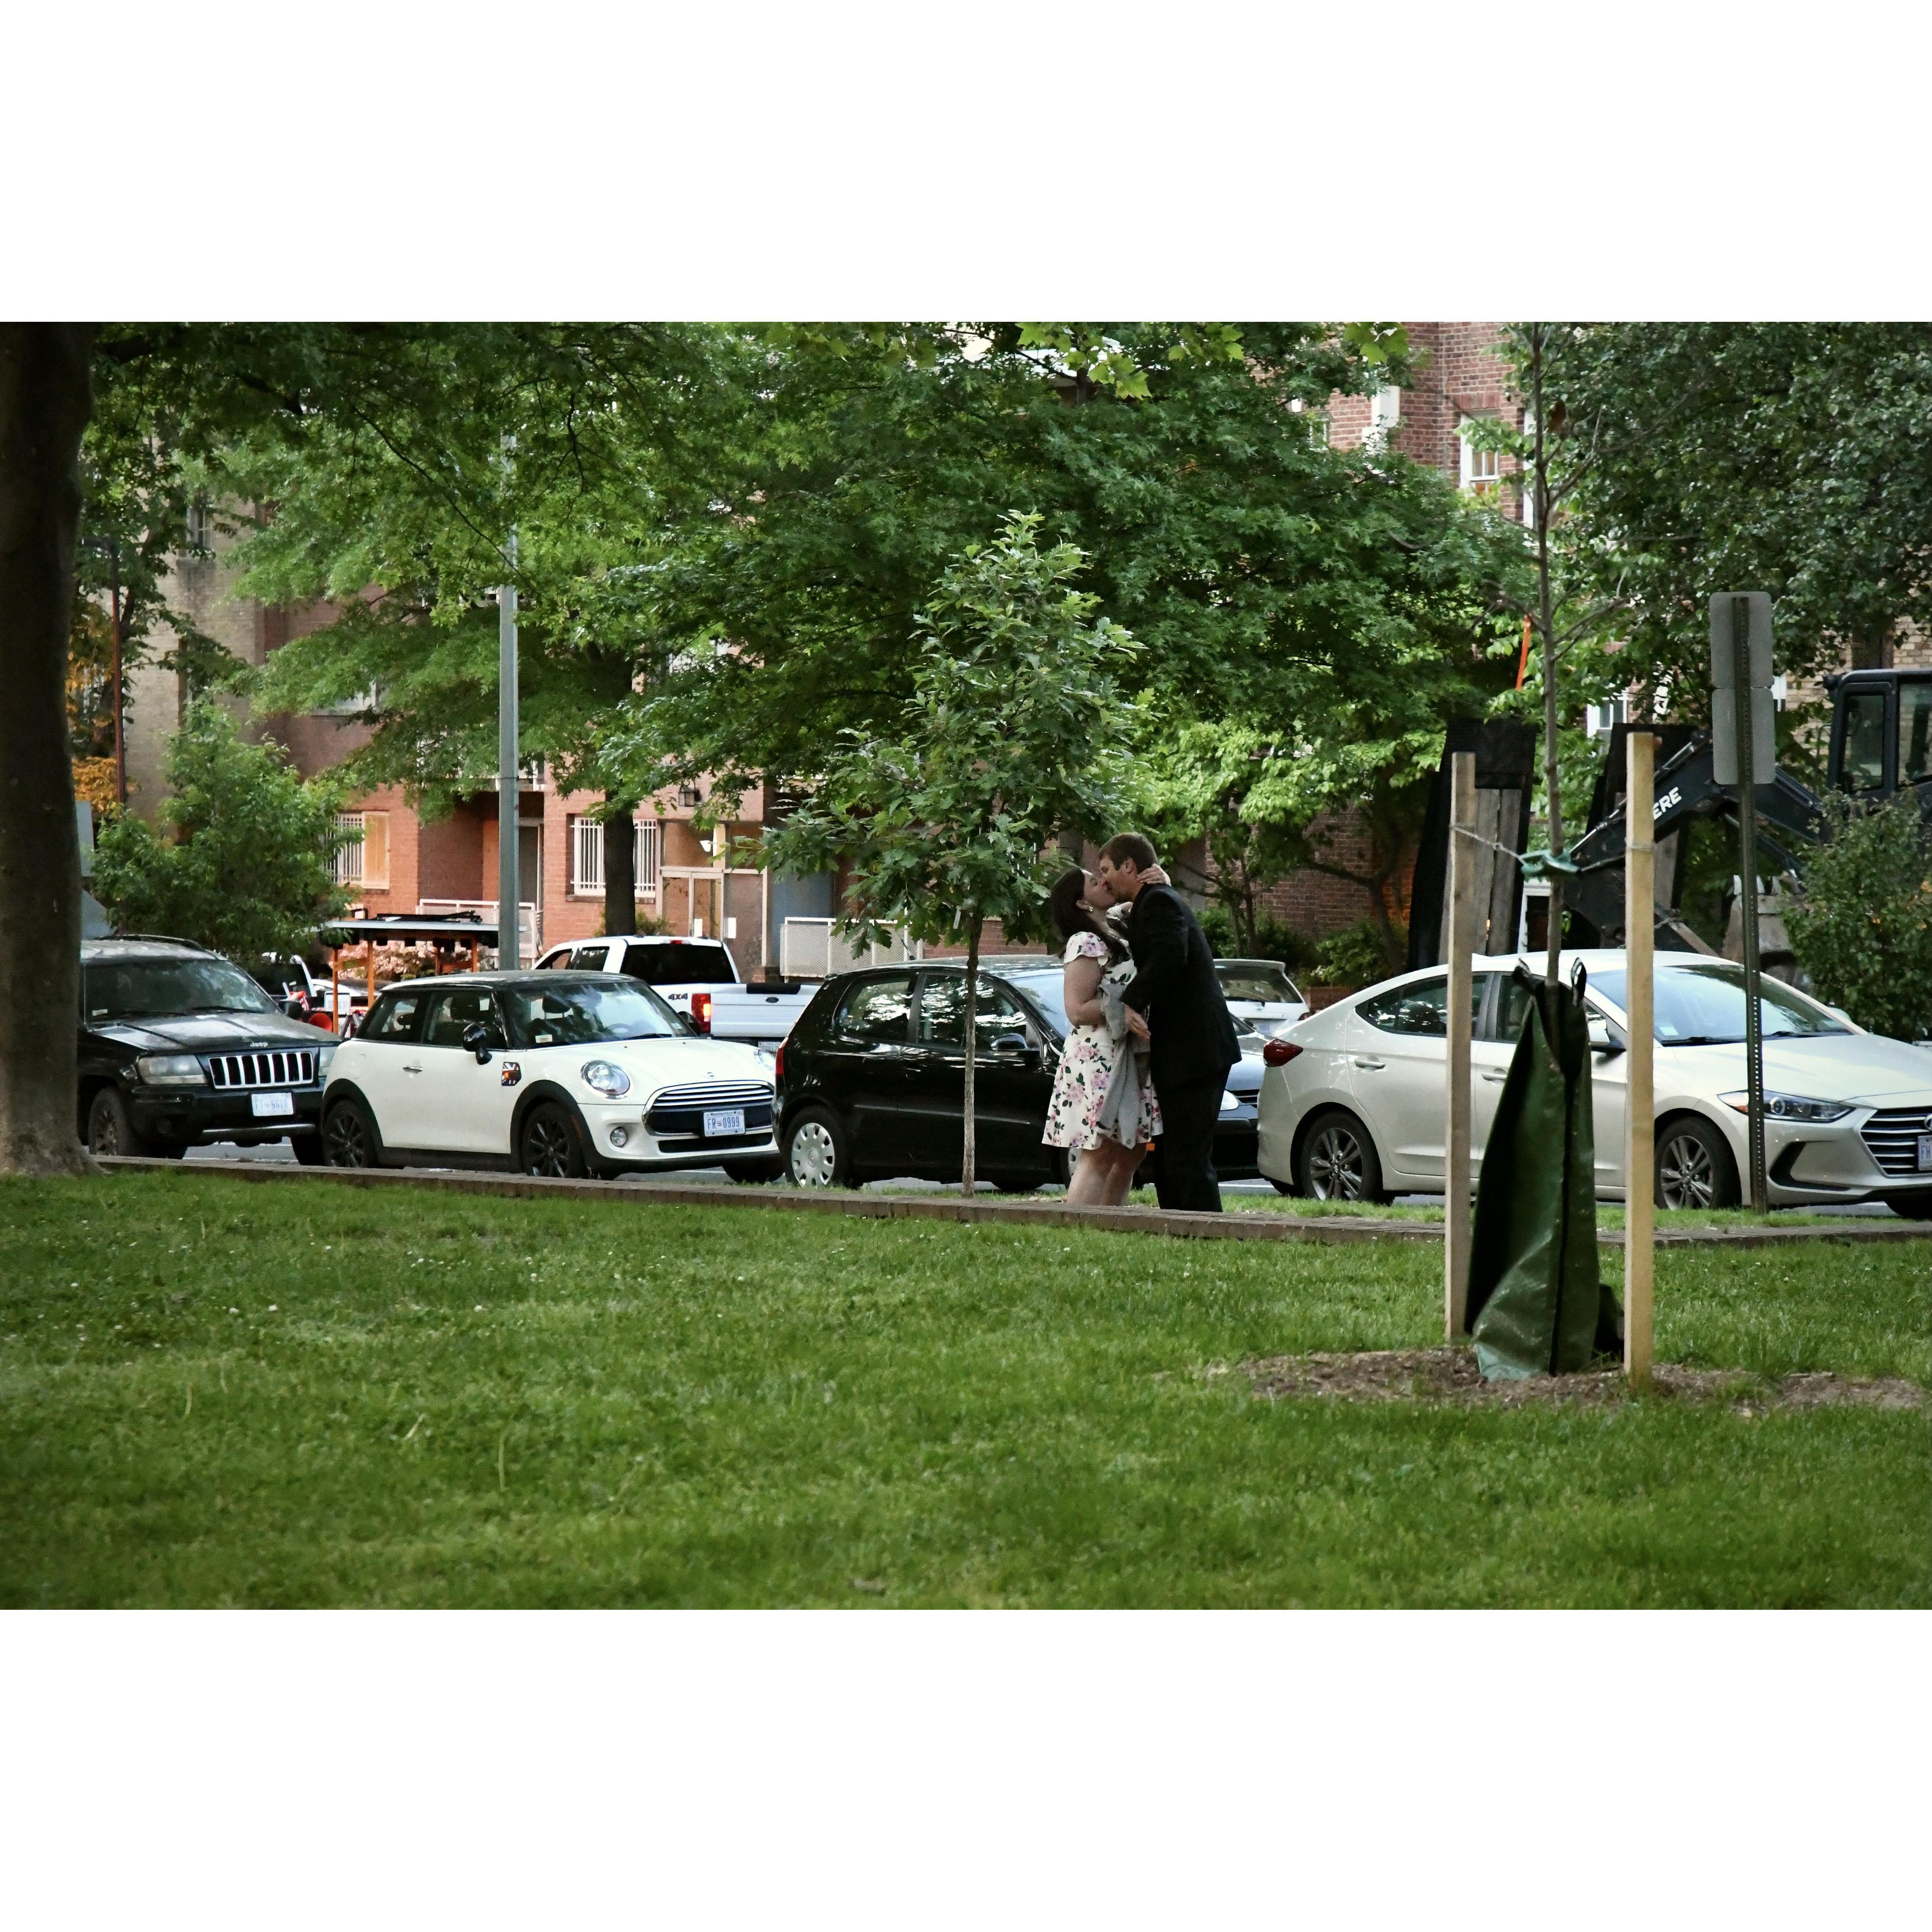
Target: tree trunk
x=968, y=1170
x=45, y=397
x=620, y=871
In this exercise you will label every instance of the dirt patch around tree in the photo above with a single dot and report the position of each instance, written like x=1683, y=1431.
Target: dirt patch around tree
x=1450, y=1375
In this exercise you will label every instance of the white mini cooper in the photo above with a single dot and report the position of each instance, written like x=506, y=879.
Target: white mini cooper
x=550, y=1073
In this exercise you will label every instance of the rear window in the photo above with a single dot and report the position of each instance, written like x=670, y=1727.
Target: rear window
x=1250, y=980
x=683, y=962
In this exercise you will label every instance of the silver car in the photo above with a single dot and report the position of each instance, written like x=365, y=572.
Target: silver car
x=1352, y=1105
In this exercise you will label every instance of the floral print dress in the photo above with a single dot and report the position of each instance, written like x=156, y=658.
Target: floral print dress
x=1087, y=1066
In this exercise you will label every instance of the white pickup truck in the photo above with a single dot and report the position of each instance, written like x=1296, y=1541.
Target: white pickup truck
x=696, y=977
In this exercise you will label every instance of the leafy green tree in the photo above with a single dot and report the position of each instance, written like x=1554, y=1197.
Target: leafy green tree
x=245, y=862
x=1014, y=731
x=1863, y=928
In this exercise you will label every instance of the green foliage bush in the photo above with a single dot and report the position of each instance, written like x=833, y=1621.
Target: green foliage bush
x=246, y=862
x=1353, y=958
x=1863, y=928
x=1274, y=939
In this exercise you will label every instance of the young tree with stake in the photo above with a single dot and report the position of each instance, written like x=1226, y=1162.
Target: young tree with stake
x=1014, y=730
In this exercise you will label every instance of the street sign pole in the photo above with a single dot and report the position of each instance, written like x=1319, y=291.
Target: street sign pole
x=1456, y=1207
x=1741, y=628
x=509, y=923
x=1639, y=1089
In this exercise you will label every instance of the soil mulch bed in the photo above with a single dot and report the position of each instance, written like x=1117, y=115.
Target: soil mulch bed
x=1451, y=1375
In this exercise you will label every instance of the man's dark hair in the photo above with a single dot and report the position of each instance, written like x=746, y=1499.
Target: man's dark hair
x=1129, y=848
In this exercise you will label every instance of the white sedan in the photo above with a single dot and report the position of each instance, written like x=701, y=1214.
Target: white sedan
x=1352, y=1106
x=553, y=1073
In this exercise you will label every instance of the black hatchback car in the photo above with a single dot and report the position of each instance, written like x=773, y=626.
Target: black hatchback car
x=179, y=1047
x=872, y=1079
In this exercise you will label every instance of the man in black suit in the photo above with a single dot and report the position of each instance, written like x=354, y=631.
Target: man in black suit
x=1191, y=1041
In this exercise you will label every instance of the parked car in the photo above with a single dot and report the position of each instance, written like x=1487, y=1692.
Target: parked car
x=872, y=1079
x=1353, y=1104
x=1260, y=991
x=556, y=1073
x=179, y=1048
x=686, y=973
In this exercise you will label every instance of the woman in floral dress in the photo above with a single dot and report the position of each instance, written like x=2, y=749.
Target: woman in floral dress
x=1096, y=958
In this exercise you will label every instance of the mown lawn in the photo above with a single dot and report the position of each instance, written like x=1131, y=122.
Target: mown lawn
x=216, y=1393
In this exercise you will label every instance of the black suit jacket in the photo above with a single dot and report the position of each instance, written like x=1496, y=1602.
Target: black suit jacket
x=1175, y=986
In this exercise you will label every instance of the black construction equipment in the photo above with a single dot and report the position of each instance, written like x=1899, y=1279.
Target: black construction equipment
x=1505, y=777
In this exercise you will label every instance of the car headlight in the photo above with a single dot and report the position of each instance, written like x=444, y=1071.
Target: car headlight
x=170, y=1070
x=603, y=1076
x=1790, y=1107
x=1230, y=1103
x=324, y=1056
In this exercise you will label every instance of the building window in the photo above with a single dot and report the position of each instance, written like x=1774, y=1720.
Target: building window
x=1482, y=469
x=197, y=529
x=364, y=861
x=1384, y=413
x=587, y=857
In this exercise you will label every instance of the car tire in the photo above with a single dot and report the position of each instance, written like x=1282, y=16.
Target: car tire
x=1337, y=1160
x=1694, y=1166
x=110, y=1126
x=551, y=1144
x=1916, y=1206
x=817, y=1153
x=1279, y=1186
x=308, y=1149
x=755, y=1173
x=1016, y=1183
x=349, y=1135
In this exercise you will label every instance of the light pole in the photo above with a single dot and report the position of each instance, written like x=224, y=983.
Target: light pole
x=509, y=933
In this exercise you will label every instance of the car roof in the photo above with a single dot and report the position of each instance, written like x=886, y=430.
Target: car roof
x=143, y=945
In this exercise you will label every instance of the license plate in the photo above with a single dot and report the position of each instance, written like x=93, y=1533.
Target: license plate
x=1925, y=1153
x=726, y=1120
x=272, y=1106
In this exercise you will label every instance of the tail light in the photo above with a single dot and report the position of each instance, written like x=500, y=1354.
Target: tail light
x=1278, y=1052
x=778, y=1067
x=701, y=1012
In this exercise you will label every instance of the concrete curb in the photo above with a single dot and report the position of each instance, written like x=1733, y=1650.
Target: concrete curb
x=1235, y=1226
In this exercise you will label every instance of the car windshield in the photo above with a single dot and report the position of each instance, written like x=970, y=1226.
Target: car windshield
x=1045, y=990
x=147, y=988
x=683, y=962
x=1703, y=1005
x=573, y=1013
x=1255, y=980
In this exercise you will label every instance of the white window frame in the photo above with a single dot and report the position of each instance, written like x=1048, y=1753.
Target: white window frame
x=1474, y=477
x=586, y=857
x=348, y=858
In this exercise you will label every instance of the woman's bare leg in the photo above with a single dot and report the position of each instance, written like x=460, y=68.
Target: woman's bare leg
x=1123, y=1162
x=1088, y=1187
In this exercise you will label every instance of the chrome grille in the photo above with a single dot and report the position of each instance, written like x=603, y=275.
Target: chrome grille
x=714, y=1094
x=1892, y=1137
x=295, y=1068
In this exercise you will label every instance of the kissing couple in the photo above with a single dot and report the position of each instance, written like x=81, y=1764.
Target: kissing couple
x=1150, y=1039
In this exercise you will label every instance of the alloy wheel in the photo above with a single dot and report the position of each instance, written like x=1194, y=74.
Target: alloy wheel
x=345, y=1139
x=1335, y=1165
x=546, y=1147
x=814, y=1158
x=1686, y=1175
x=104, y=1132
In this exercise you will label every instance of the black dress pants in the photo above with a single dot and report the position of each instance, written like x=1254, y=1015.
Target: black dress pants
x=1188, y=1115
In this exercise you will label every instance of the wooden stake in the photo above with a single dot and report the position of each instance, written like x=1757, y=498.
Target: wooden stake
x=1462, y=944
x=1639, y=1091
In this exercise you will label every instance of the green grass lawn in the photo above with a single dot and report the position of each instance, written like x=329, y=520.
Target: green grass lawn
x=218, y=1392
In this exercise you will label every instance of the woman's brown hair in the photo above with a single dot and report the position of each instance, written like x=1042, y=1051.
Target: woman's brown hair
x=1072, y=917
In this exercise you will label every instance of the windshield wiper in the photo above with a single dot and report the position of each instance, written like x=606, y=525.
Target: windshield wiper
x=1705, y=1040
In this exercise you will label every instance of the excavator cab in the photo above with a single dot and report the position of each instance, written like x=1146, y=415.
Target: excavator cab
x=1881, y=734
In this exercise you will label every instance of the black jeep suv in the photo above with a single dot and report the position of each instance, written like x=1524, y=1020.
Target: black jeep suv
x=178, y=1048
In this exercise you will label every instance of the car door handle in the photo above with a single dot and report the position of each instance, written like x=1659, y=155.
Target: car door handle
x=1496, y=1079
x=1372, y=1066
x=408, y=1068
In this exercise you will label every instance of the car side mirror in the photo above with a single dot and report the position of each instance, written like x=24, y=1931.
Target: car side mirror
x=476, y=1038
x=1604, y=1038
x=1013, y=1045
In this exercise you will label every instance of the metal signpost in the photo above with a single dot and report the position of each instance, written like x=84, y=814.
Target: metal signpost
x=1456, y=1206
x=1744, y=752
x=509, y=919
x=1639, y=1090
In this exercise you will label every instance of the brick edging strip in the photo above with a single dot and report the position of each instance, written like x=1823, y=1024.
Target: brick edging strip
x=1232, y=1226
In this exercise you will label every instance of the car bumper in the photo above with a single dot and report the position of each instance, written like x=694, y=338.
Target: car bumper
x=620, y=1139
x=1808, y=1166
x=197, y=1116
